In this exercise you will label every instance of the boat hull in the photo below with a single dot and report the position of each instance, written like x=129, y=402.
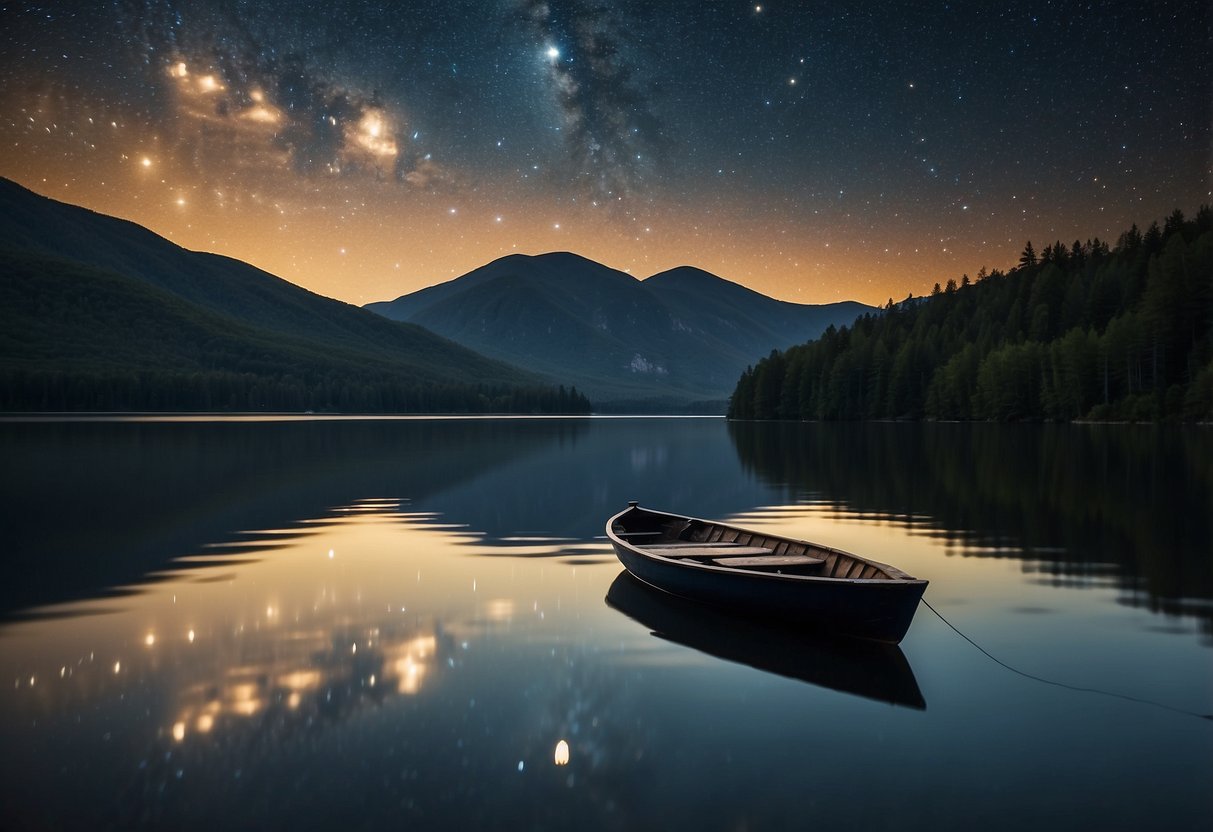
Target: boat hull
x=874, y=609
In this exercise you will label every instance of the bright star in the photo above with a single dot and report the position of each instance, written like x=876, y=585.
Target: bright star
x=553, y=52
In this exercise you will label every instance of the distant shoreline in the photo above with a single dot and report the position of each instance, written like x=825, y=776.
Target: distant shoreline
x=964, y=422
x=323, y=417
x=186, y=417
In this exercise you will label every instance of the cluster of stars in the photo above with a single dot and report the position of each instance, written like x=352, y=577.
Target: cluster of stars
x=734, y=138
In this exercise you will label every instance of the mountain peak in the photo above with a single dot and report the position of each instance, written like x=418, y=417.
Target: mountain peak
x=679, y=337
x=567, y=257
x=684, y=272
x=562, y=259
x=694, y=279
x=687, y=277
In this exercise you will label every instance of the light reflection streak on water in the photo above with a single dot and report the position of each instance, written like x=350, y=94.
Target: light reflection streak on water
x=303, y=625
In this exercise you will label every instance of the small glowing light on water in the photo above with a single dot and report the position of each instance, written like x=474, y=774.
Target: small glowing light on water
x=191, y=636
x=562, y=753
x=243, y=699
x=32, y=679
x=300, y=679
x=332, y=554
x=293, y=700
x=372, y=680
x=149, y=639
x=205, y=723
x=62, y=671
x=179, y=731
x=521, y=765
x=117, y=667
x=354, y=648
x=269, y=612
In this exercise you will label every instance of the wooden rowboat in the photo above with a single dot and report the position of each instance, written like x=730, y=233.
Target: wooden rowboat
x=765, y=575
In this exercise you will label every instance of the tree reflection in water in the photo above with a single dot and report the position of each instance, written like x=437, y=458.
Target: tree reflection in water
x=1080, y=505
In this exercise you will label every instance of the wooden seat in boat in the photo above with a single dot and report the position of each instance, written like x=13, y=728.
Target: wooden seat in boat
x=709, y=551
x=684, y=544
x=770, y=561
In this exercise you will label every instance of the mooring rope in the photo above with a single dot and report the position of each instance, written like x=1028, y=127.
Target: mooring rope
x=1034, y=678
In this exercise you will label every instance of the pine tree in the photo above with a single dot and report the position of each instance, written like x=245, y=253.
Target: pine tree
x=1028, y=258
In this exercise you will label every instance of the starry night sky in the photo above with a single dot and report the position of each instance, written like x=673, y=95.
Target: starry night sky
x=813, y=151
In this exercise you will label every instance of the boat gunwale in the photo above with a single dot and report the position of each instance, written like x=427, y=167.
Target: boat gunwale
x=905, y=580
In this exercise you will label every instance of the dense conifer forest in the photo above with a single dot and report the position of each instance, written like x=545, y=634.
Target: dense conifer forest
x=319, y=391
x=1080, y=331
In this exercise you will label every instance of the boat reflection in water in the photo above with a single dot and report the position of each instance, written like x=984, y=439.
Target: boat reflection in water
x=869, y=669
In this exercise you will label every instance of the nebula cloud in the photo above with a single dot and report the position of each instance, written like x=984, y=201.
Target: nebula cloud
x=611, y=132
x=275, y=107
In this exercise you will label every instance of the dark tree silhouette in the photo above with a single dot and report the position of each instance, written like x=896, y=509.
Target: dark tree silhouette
x=1083, y=332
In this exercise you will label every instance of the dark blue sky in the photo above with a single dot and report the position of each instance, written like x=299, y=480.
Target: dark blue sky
x=811, y=150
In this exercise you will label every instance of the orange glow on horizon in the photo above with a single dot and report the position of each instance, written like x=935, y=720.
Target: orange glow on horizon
x=402, y=242
x=355, y=232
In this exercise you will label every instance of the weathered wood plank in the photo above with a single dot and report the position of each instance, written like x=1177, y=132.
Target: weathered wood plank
x=853, y=569
x=769, y=560
x=709, y=551
x=685, y=543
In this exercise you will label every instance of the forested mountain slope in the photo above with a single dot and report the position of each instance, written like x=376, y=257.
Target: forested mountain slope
x=1086, y=330
x=97, y=313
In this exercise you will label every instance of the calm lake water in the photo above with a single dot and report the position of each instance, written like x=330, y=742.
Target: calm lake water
x=226, y=624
